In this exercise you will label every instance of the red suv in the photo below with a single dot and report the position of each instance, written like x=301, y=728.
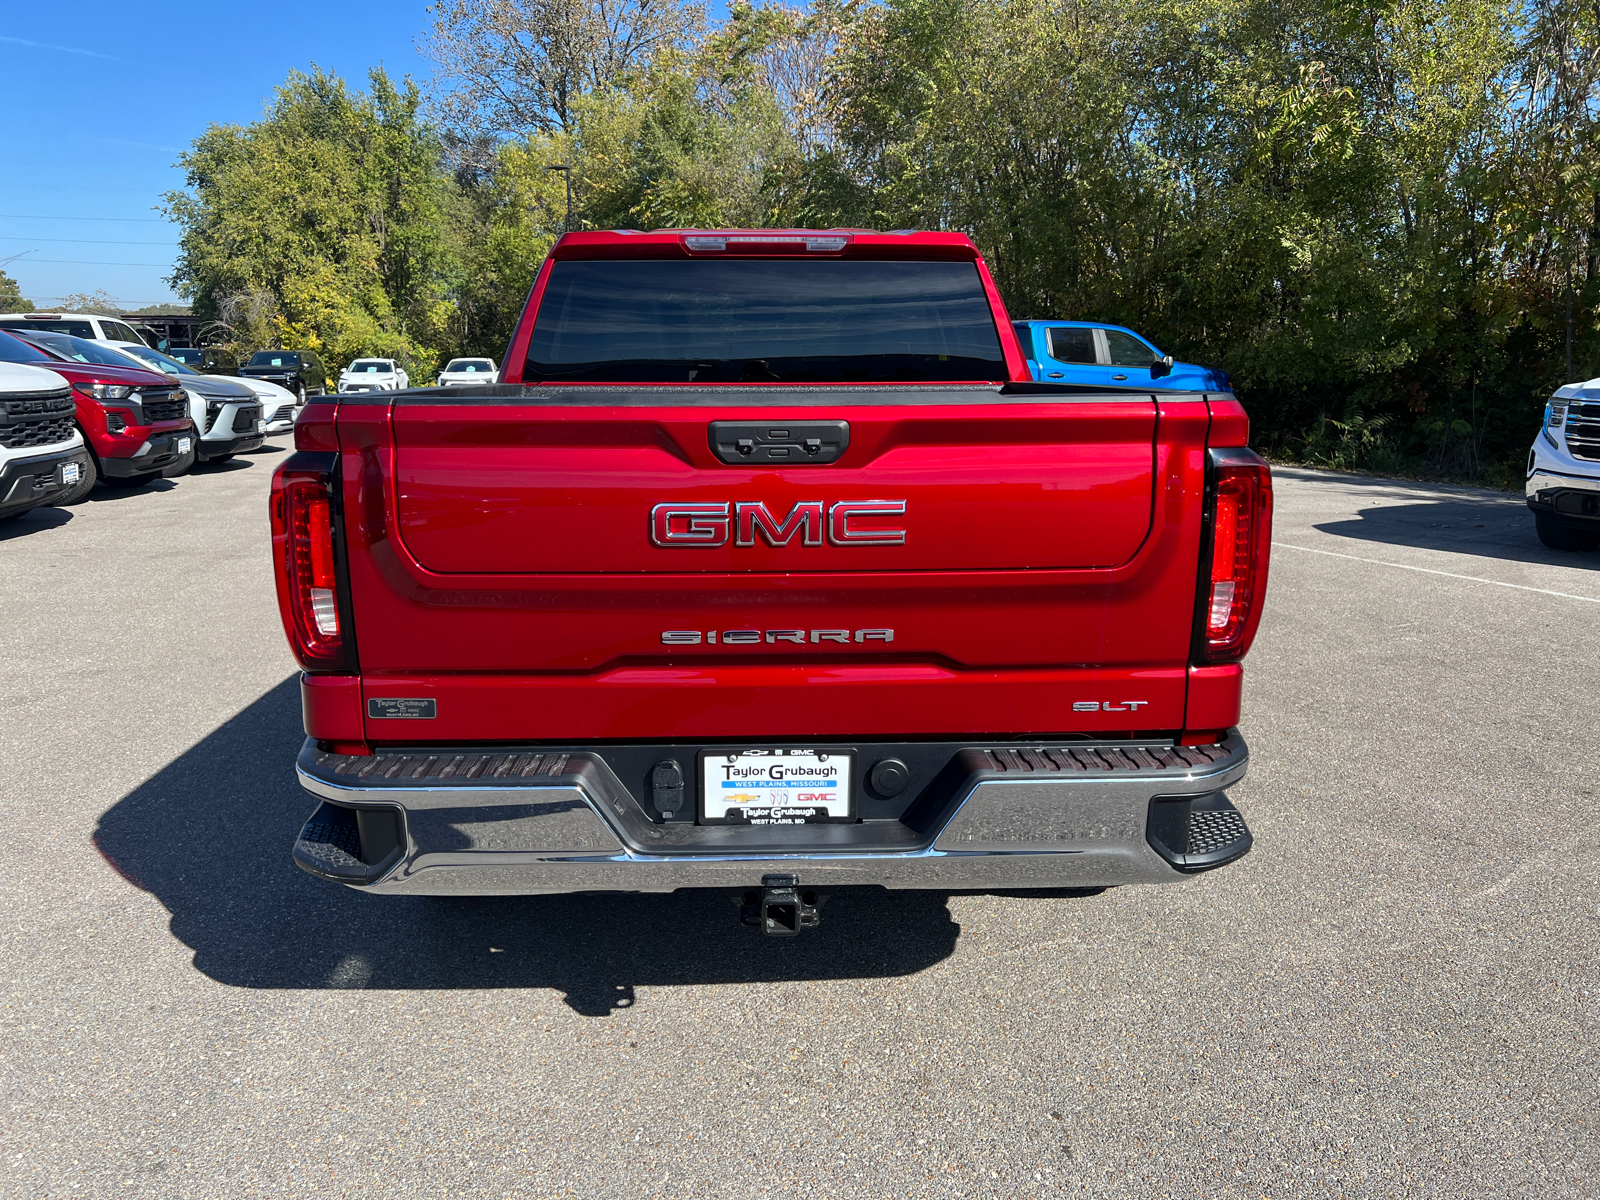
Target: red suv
x=135, y=422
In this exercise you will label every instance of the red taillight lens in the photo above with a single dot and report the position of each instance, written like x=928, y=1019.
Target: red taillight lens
x=303, y=552
x=316, y=543
x=1241, y=539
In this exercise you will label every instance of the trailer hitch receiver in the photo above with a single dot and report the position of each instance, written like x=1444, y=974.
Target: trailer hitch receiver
x=782, y=908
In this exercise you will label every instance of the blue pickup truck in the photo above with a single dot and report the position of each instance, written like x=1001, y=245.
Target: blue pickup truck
x=1109, y=356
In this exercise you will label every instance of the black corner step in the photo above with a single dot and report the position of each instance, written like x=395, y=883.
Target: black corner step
x=1198, y=833
x=354, y=846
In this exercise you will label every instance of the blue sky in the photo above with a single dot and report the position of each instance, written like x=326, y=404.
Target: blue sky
x=102, y=98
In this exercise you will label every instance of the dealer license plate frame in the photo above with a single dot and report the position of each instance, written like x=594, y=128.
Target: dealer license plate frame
x=813, y=810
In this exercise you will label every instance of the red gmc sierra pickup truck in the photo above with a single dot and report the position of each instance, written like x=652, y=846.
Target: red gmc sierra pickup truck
x=766, y=566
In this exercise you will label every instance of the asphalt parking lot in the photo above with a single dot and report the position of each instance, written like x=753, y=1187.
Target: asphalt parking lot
x=1393, y=995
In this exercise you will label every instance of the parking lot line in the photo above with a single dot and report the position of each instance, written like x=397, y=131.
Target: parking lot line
x=1382, y=562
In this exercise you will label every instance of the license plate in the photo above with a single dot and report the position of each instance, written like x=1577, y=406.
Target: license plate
x=183, y=445
x=71, y=472
x=776, y=787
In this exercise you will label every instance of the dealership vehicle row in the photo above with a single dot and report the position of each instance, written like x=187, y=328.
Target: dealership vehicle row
x=84, y=400
x=124, y=437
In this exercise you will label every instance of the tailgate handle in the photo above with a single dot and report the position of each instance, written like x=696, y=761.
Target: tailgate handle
x=793, y=443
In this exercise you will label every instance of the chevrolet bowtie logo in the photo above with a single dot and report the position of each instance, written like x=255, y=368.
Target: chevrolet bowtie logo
x=710, y=524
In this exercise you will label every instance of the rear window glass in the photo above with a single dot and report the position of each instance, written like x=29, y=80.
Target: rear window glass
x=1024, y=333
x=1072, y=345
x=18, y=351
x=76, y=328
x=83, y=349
x=776, y=320
x=274, y=358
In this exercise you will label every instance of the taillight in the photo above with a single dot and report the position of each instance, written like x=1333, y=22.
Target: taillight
x=1233, y=578
x=316, y=542
x=307, y=565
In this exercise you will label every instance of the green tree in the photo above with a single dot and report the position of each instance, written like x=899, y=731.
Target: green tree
x=99, y=302
x=1367, y=215
x=11, y=297
x=1383, y=220
x=324, y=225
x=691, y=139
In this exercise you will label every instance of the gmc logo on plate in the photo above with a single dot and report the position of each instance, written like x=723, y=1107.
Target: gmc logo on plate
x=843, y=523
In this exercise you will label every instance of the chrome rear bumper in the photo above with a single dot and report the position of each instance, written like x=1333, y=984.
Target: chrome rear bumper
x=1021, y=815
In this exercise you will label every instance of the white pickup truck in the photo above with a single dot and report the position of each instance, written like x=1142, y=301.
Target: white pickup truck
x=1564, y=469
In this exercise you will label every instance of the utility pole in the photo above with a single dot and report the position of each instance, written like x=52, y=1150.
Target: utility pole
x=566, y=170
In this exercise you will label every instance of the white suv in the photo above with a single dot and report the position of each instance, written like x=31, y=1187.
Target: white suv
x=89, y=326
x=277, y=403
x=41, y=451
x=1564, y=470
x=373, y=375
x=462, y=372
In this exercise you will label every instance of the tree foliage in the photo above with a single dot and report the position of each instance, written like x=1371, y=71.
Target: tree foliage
x=1357, y=211
x=99, y=302
x=1376, y=217
x=523, y=66
x=11, y=297
x=325, y=225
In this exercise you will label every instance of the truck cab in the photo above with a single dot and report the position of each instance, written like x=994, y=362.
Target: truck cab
x=90, y=326
x=1098, y=355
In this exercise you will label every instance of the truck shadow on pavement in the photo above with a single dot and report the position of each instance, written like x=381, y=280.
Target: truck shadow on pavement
x=35, y=520
x=1489, y=528
x=108, y=493
x=209, y=837
x=237, y=463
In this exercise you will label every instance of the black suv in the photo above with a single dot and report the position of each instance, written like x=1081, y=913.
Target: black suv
x=301, y=371
x=208, y=360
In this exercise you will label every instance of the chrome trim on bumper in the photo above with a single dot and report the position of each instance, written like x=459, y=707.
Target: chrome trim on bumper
x=1010, y=831
x=1547, y=481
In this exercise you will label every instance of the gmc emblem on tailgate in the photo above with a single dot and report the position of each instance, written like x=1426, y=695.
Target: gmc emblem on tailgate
x=707, y=525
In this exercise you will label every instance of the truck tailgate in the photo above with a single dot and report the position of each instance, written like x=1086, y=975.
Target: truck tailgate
x=506, y=561
x=506, y=490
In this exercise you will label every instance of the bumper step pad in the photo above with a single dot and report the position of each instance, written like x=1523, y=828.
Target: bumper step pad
x=1078, y=760
x=345, y=845
x=1198, y=833
x=462, y=768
